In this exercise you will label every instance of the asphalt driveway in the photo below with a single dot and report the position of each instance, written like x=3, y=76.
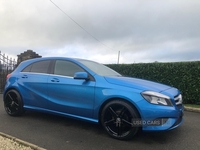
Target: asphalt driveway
x=58, y=133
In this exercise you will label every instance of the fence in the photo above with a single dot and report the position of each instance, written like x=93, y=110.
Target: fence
x=7, y=65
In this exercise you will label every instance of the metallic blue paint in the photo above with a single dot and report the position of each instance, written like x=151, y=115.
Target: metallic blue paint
x=83, y=99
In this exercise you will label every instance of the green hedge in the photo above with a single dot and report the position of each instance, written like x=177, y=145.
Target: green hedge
x=183, y=75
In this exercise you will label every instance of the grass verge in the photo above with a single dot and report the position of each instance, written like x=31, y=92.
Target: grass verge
x=192, y=105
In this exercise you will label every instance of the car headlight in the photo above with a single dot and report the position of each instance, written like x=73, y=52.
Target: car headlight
x=157, y=98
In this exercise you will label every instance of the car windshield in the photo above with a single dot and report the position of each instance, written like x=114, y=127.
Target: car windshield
x=99, y=68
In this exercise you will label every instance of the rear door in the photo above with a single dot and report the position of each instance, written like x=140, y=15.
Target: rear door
x=33, y=84
x=69, y=95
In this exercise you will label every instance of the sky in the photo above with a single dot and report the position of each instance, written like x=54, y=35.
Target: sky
x=106, y=31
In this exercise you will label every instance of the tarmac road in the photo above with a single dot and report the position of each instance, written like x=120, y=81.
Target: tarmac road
x=59, y=133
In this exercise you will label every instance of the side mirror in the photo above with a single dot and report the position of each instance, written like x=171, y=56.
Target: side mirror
x=81, y=76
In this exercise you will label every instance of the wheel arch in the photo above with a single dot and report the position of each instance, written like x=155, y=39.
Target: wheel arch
x=14, y=101
x=12, y=88
x=116, y=98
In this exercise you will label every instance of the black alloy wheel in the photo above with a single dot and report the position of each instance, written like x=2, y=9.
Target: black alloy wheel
x=117, y=119
x=13, y=103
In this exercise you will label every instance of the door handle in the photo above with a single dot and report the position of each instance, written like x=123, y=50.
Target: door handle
x=24, y=76
x=55, y=80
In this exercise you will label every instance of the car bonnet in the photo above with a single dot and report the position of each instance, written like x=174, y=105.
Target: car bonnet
x=137, y=83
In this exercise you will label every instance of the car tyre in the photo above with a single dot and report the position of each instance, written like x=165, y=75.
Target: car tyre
x=13, y=103
x=117, y=119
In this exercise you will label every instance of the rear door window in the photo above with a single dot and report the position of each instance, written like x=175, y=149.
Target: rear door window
x=38, y=67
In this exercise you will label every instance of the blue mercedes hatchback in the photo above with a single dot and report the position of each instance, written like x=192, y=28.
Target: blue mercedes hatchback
x=90, y=91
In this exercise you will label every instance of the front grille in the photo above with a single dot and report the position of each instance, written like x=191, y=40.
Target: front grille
x=178, y=100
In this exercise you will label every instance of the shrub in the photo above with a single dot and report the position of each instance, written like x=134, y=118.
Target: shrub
x=183, y=75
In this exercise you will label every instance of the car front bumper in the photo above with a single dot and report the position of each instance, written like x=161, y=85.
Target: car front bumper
x=159, y=118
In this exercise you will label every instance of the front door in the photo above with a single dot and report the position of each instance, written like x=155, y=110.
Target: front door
x=69, y=95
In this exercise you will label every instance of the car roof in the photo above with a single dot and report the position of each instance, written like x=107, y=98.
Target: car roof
x=52, y=58
x=25, y=63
